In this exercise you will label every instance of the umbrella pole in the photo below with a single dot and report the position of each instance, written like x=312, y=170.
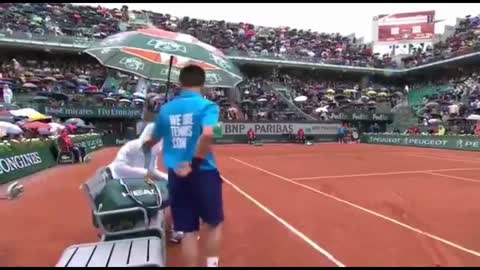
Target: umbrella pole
x=168, y=78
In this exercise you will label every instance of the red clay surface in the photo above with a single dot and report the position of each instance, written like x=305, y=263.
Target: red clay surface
x=290, y=205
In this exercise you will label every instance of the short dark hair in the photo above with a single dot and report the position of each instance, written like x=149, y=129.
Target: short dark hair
x=192, y=75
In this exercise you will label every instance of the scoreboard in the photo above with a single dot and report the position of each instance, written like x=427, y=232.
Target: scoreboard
x=411, y=26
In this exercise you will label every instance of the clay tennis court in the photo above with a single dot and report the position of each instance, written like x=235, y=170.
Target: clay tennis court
x=289, y=205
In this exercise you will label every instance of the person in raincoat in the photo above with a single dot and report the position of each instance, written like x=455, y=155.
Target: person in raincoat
x=130, y=163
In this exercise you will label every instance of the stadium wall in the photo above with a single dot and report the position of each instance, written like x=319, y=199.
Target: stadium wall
x=20, y=159
x=466, y=142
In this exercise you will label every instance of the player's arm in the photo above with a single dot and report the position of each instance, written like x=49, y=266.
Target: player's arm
x=209, y=121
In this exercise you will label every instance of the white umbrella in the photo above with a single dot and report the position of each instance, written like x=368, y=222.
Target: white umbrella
x=139, y=100
x=300, y=99
x=434, y=121
x=109, y=99
x=262, y=100
x=371, y=93
x=10, y=128
x=382, y=94
x=350, y=91
x=124, y=100
x=473, y=117
x=432, y=104
x=331, y=91
x=139, y=95
x=321, y=109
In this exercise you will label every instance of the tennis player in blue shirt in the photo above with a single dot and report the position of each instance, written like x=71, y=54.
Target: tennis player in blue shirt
x=186, y=126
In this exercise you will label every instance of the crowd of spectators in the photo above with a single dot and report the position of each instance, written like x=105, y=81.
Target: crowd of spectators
x=303, y=96
x=456, y=108
x=90, y=22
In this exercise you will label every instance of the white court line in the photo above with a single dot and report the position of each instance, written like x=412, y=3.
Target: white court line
x=442, y=158
x=453, y=177
x=382, y=173
x=394, y=221
x=286, y=224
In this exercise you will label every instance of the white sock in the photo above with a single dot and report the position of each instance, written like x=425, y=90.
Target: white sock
x=212, y=262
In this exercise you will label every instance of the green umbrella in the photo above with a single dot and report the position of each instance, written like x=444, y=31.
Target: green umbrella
x=159, y=55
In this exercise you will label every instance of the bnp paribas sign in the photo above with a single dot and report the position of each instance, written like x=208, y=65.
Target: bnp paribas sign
x=94, y=112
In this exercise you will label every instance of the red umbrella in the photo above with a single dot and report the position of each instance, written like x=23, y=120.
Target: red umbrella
x=36, y=125
x=92, y=88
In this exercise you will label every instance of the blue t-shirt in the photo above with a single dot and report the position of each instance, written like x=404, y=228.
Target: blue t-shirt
x=341, y=130
x=180, y=124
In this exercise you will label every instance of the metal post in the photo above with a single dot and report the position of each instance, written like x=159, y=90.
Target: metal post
x=168, y=78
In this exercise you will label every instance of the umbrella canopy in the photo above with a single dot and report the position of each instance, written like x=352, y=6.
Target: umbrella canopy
x=300, y=99
x=382, y=94
x=138, y=100
x=321, y=109
x=29, y=85
x=473, y=117
x=56, y=127
x=139, y=95
x=9, y=128
x=434, y=121
x=262, y=100
x=109, y=99
x=82, y=82
x=364, y=98
x=35, y=125
x=147, y=53
x=371, y=93
x=75, y=121
x=347, y=91
x=432, y=104
x=51, y=79
x=331, y=91
x=34, y=80
x=92, y=88
x=124, y=100
x=29, y=113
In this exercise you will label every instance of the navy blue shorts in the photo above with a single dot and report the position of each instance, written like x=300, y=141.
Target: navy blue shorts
x=197, y=196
